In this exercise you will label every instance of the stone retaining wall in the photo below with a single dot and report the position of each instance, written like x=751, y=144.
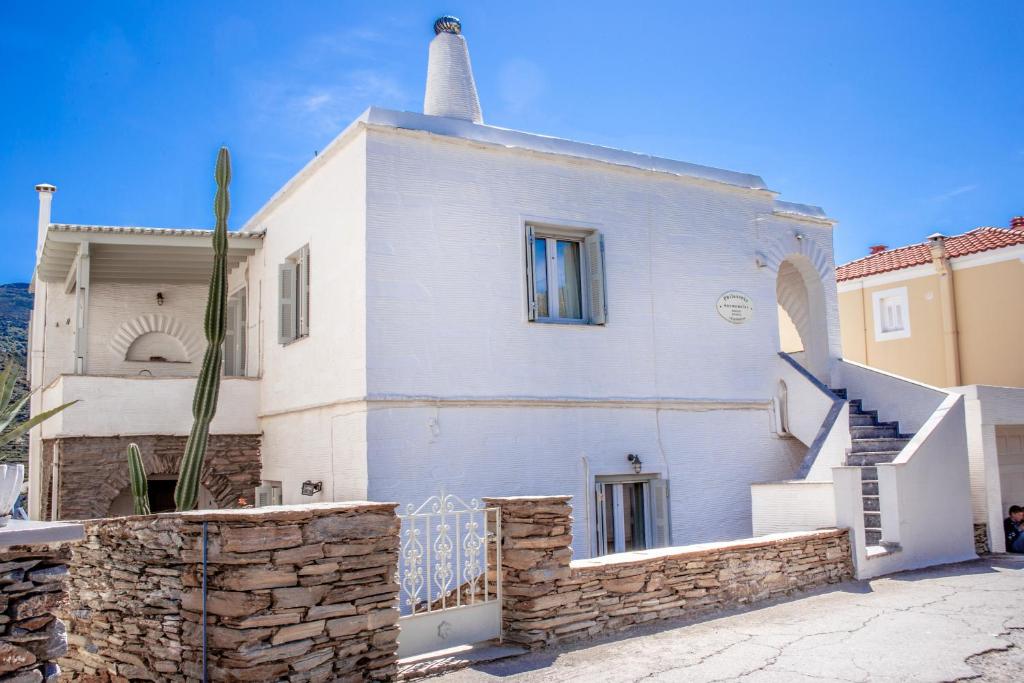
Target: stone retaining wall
x=94, y=470
x=550, y=599
x=31, y=638
x=981, y=539
x=297, y=593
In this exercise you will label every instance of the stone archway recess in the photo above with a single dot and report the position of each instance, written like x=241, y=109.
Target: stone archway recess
x=94, y=470
x=155, y=322
x=801, y=268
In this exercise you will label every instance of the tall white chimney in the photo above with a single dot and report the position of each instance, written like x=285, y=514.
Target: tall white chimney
x=451, y=90
x=45, y=191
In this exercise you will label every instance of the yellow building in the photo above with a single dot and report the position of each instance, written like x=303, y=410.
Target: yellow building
x=947, y=312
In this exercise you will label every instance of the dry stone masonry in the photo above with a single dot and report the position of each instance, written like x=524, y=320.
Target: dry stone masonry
x=32, y=583
x=92, y=470
x=550, y=599
x=296, y=593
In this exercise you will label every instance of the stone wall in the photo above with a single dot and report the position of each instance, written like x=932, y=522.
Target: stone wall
x=298, y=593
x=94, y=470
x=549, y=599
x=32, y=582
x=981, y=539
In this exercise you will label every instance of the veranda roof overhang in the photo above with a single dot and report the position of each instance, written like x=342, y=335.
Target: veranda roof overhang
x=131, y=254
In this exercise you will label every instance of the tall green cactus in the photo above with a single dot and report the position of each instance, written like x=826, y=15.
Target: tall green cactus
x=204, y=404
x=140, y=486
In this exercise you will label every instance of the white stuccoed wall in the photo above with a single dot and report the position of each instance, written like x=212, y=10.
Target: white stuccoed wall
x=447, y=323
x=987, y=408
x=306, y=384
x=111, y=305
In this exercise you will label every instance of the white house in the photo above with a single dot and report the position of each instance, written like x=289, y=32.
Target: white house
x=435, y=302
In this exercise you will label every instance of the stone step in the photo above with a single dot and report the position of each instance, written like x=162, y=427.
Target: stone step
x=862, y=420
x=869, y=488
x=872, y=520
x=881, y=431
x=871, y=503
x=856, y=404
x=868, y=473
x=872, y=536
x=875, y=445
x=870, y=458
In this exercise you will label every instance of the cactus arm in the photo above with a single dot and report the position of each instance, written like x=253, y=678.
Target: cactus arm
x=139, y=483
x=204, y=404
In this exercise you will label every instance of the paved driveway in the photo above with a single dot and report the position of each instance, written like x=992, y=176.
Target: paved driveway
x=928, y=625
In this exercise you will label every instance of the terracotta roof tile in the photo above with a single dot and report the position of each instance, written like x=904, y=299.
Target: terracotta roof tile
x=973, y=242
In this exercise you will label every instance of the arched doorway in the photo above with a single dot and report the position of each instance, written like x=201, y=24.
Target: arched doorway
x=803, y=328
x=161, y=497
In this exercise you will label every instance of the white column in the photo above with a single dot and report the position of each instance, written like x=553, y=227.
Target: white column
x=82, y=309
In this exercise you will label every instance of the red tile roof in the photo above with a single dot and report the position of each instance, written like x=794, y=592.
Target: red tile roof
x=973, y=242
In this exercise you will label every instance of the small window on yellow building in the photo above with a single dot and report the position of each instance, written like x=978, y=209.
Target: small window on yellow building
x=892, y=314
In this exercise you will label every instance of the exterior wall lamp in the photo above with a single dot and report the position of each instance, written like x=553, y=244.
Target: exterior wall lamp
x=159, y=298
x=637, y=462
x=311, y=487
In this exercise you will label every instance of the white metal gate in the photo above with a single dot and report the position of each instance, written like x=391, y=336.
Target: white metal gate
x=449, y=575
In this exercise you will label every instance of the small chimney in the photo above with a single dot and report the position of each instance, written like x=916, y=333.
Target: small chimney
x=451, y=90
x=1017, y=223
x=877, y=248
x=45, y=191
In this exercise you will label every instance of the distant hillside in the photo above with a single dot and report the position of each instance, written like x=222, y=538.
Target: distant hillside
x=15, y=305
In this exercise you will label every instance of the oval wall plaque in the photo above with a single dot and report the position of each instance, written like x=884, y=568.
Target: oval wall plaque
x=736, y=307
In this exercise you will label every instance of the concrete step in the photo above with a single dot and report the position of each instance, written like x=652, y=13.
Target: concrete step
x=868, y=473
x=875, y=445
x=856, y=405
x=870, y=458
x=861, y=420
x=841, y=393
x=869, y=488
x=871, y=503
x=873, y=536
x=882, y=431
x=872, y=520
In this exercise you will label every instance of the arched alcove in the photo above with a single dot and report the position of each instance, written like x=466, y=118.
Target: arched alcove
x=151, y=332
x=157, y=346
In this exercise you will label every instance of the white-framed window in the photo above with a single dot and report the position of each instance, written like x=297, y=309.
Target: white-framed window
x=892, y=314
x=632, y=514
x=293, y=297
x=565, y=275
x=235, y=335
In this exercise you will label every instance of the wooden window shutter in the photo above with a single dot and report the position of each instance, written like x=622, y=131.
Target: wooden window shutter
x=531, y=287
x=230, y=340
x=286, y=302
x=660, y=513
x=302, y=293
x=594, y=244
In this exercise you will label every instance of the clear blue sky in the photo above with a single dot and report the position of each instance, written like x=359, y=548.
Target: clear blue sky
x=899, y=118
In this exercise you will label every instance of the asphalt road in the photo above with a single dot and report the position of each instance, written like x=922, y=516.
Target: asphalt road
x=956, y=622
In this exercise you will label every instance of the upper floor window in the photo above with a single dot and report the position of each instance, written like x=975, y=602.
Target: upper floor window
x=293, y=297
x=565, y=275
x=892, y=314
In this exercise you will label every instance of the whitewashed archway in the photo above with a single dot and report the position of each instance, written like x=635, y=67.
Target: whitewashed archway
x=801, y=269
x=130, y=331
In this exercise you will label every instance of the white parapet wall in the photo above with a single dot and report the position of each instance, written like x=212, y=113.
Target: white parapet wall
x=924, y=493
x=786, y=506
x=127, y=406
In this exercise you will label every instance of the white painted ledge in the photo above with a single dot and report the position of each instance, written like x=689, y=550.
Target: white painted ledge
x=23, y=532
